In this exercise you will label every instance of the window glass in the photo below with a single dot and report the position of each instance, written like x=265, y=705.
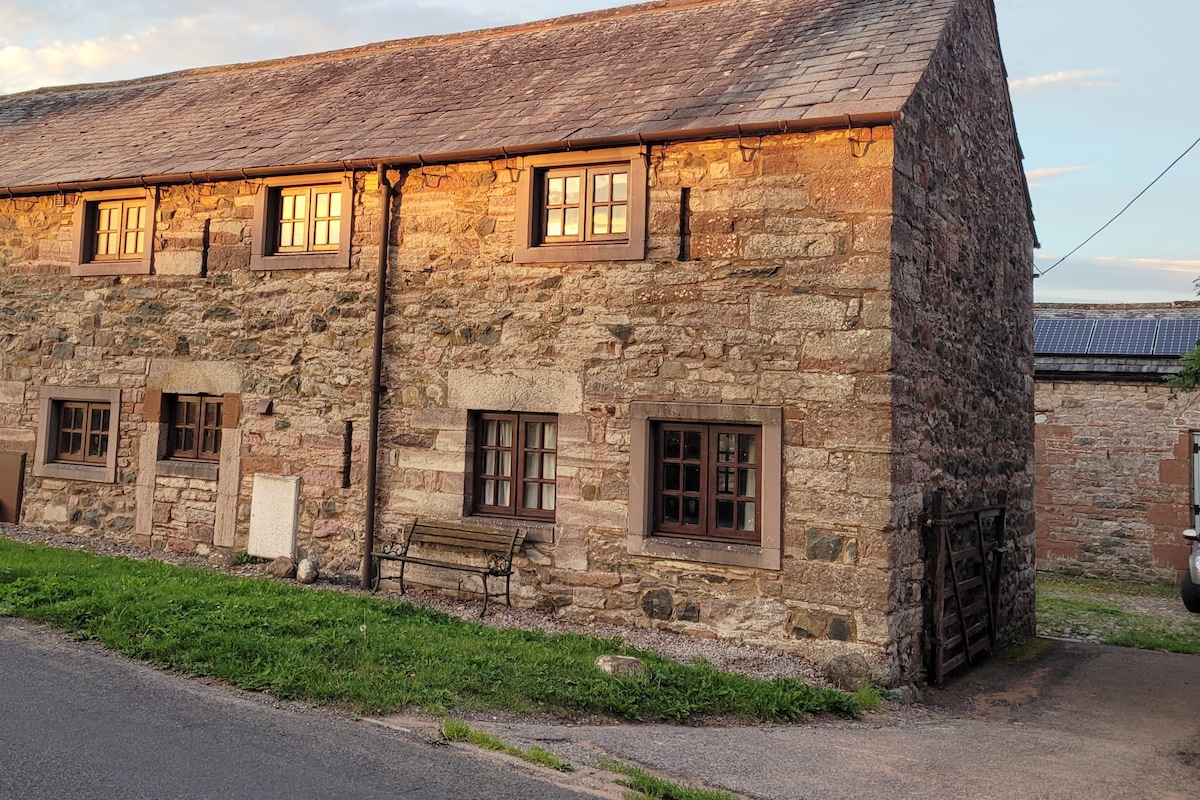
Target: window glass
x=706, y=481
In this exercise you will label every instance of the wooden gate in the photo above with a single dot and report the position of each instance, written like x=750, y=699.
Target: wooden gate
x=967, y=558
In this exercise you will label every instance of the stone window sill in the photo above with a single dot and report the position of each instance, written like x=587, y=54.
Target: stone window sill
x=197, y=470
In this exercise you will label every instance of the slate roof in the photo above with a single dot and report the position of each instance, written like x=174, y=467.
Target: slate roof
x=660, y=70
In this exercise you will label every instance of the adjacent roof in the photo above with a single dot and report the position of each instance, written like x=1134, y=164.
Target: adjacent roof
x=661, y=70
x=1141, y=342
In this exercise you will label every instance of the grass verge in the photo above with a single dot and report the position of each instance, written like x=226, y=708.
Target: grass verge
x=644, y=786
x=373, y=654
x=454, y=730
x=1116, y=613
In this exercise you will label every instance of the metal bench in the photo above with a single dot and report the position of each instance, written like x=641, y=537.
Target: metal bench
x=433, y=539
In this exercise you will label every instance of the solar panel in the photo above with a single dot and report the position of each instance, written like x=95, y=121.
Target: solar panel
x=1062, y=336
x=1176, y=336
x=1123, y=337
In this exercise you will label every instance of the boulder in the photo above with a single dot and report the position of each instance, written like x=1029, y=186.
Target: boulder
x=306, y=571
x=622, y=666
x=282, y=567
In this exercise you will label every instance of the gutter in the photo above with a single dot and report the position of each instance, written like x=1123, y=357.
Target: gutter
x=806, y=125
x=385, y=198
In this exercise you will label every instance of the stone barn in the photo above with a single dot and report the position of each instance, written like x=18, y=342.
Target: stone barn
x=708, y=297
x=1117, y=470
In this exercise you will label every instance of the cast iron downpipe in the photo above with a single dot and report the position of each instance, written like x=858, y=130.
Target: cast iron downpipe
x=385, y=224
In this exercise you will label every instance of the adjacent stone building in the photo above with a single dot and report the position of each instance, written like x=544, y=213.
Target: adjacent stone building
x=1116, y=446
x=710, y=296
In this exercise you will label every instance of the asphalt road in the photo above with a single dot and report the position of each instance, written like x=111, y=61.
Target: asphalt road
x=77, y=722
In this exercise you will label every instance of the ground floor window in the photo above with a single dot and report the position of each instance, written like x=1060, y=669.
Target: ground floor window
x=706, y=479
x=195, y=427
x=516, y=461
x=77, y=434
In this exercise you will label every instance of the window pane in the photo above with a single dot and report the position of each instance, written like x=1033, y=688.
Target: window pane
x=321, y=232
x=554, y=222
x=554, y=192
x=335, y=231
x=601, y=190
x=489, y=462
x=288, y=210
x=550, y=430
x=691, y=511
x=570, y=222
x=503, y=493
x=671, y=477
x=530, y=500
x=747, y=483
x=725, y=442
x=746, y=517
x=301, y=206
x=572, y=191
x=548, y=495
x=549, y=465
x=505, y=429
x=75, y=443
x=672, y=441
x=600, y=219
x=490, y=435
x=505, y=464
x=533, y=463
x=691, y=445
x=97, y=445
x=489, y=493
x=691, y=478
x=748, y=448
x=725, y=513
x=620, y=187
x=725, y=480
x=533, y=434
x=322, y=201
x=671, y=508
x=618, y=220
x=335, y=204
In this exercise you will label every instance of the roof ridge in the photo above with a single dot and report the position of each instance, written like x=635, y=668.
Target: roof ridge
x=568, y=20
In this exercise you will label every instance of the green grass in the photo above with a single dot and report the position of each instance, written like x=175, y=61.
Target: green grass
x=1102, y=611
x=644, y=786
x=372, y=654
x=454, y=730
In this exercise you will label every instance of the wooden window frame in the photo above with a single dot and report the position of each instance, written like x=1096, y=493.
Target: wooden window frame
x=519, y=476
x=707, y=494
x=49, y=461
x=646, y=538
x=205, y=429
x=532, y=246
x=265, y=252
x=87, y=215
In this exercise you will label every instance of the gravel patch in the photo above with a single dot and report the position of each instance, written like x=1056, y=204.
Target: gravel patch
x=755, y=662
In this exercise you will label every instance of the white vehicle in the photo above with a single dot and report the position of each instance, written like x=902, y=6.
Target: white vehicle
x=1191, y=579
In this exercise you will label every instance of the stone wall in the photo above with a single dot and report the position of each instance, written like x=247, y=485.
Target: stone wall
x=785, y=305
x=962, y=315
x=1114, y=463
x=300, y=339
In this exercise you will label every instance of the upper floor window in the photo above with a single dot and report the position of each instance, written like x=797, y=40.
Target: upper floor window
x=582, y=207
x=516, y=463
x=114, y=232
x=302, y=223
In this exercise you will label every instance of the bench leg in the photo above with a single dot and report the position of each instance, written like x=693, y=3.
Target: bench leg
x=485, y=596
x=376, y=573
x=402, y=565
x=507, y=583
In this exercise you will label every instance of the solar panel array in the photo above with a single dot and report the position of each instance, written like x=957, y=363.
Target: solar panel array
x=1115, y=337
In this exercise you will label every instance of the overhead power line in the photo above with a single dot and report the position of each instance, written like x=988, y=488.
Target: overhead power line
x=1122, y=211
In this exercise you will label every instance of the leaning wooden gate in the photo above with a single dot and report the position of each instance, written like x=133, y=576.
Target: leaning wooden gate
x=967, y=555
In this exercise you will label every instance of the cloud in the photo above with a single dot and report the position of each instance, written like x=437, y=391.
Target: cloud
x=1160, y=264
x=1077, y=77
x=1115, y=279
x=1036, y=177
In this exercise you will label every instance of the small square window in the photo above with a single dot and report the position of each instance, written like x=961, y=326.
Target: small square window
x=516, y=463
x=77, y=435
x=300, y=224
x=706, y=481
x=115, y=233
x=582, y=207
x=195, y=428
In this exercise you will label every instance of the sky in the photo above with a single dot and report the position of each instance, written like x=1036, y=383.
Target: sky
x=1104, y=93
